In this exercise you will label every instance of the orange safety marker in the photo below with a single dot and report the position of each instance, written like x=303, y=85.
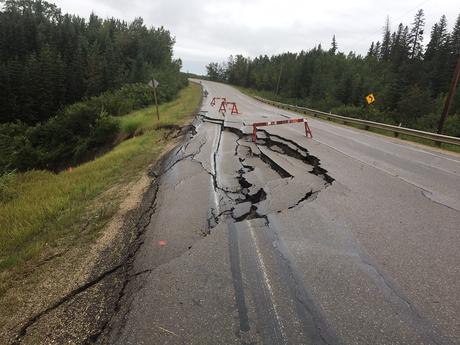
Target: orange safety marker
x=223, y=107
x=234, y=108
x=308, y=132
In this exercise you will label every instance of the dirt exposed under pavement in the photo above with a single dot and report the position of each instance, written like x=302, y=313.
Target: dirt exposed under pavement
x=70, y=295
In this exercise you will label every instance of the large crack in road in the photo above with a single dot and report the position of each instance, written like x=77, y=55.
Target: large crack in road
x=244, y=178
x=260, y=175
x=252, y=156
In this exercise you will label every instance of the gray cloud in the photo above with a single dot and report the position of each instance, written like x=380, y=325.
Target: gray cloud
x=211, y=30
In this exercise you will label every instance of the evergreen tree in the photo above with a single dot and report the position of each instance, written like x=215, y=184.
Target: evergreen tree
x=48, y=59
x=371, y=51
x=385, y=48
x=416, y=35
x=377, y=49
x=455, y=38
x=334, y=46
x=399, y=46
x=438, y=38
x=438, y=58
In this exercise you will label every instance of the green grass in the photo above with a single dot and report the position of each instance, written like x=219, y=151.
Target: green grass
x=172, y=113
x=40, y=210
x=270, y=96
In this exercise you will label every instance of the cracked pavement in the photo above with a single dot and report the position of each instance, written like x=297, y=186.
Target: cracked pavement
x=349, y=238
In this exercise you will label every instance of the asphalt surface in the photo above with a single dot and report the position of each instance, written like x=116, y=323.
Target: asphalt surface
x=346, y=238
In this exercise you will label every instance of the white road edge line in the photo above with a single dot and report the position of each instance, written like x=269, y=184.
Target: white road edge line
x=266, y=280
x=423, y=189
x=407, y=145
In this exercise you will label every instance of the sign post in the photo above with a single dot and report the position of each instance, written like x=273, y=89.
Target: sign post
x=154, y=84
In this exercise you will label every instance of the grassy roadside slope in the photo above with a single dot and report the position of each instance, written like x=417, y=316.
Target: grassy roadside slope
x=269, y=95
x=40, y=210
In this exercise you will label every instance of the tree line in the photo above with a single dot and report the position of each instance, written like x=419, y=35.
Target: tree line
x=409, y=79
x=64, y=79
x=49, y=59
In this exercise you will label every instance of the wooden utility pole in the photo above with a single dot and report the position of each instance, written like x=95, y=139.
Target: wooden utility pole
x=279, y=79
x=450, y=96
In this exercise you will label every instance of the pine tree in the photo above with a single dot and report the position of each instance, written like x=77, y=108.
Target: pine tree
x=416, y=35
x=386, y=41
x=334, y=46
x=344, y=91
x=371, y=51
x=377, y=49
x=399, y=45
x=438, y=39
x=434, y=44
x=455, y=38
x=438, y=57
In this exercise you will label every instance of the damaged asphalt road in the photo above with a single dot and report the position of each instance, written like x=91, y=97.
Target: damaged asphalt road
x=220, y=184
x=292, y=241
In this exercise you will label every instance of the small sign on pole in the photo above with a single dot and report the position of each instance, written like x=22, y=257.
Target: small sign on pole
x=154, y=84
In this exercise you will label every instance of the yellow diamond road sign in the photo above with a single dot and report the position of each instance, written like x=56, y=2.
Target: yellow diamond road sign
x=370, y=98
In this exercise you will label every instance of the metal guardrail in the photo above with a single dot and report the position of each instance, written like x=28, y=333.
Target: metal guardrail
x=437, y=138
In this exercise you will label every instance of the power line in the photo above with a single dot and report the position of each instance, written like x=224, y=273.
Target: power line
x=412, y=9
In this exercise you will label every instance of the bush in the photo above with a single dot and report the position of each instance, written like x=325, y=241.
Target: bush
x=68, y=138
x=415, y=103
x=15, y=148
x=120, y=102
x=62, y=140
x=428, y=122
x=79, y=130
x=7, y=190
x=452, y=126
x=171, y=81
x=136, y=96
x=369, y=113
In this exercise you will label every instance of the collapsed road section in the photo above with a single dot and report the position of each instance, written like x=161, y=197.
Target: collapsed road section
x=273, y=174
x=247, y=246
x=211, y=268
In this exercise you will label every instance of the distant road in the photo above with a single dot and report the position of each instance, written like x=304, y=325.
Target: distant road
x=346, y=238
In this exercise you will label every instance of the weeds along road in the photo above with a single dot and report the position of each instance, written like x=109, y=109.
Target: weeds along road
x=347, y=238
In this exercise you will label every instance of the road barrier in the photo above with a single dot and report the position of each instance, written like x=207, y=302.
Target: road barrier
x=225, y=104
x=280, y=122
x=234, y=108
x=437, y=138
x=223, y=107
x=213, y=102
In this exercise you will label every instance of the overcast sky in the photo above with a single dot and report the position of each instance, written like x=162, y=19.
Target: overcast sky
x=211, y=30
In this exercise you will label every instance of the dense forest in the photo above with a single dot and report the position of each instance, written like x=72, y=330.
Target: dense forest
x=410, y=80
x=63, y=78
